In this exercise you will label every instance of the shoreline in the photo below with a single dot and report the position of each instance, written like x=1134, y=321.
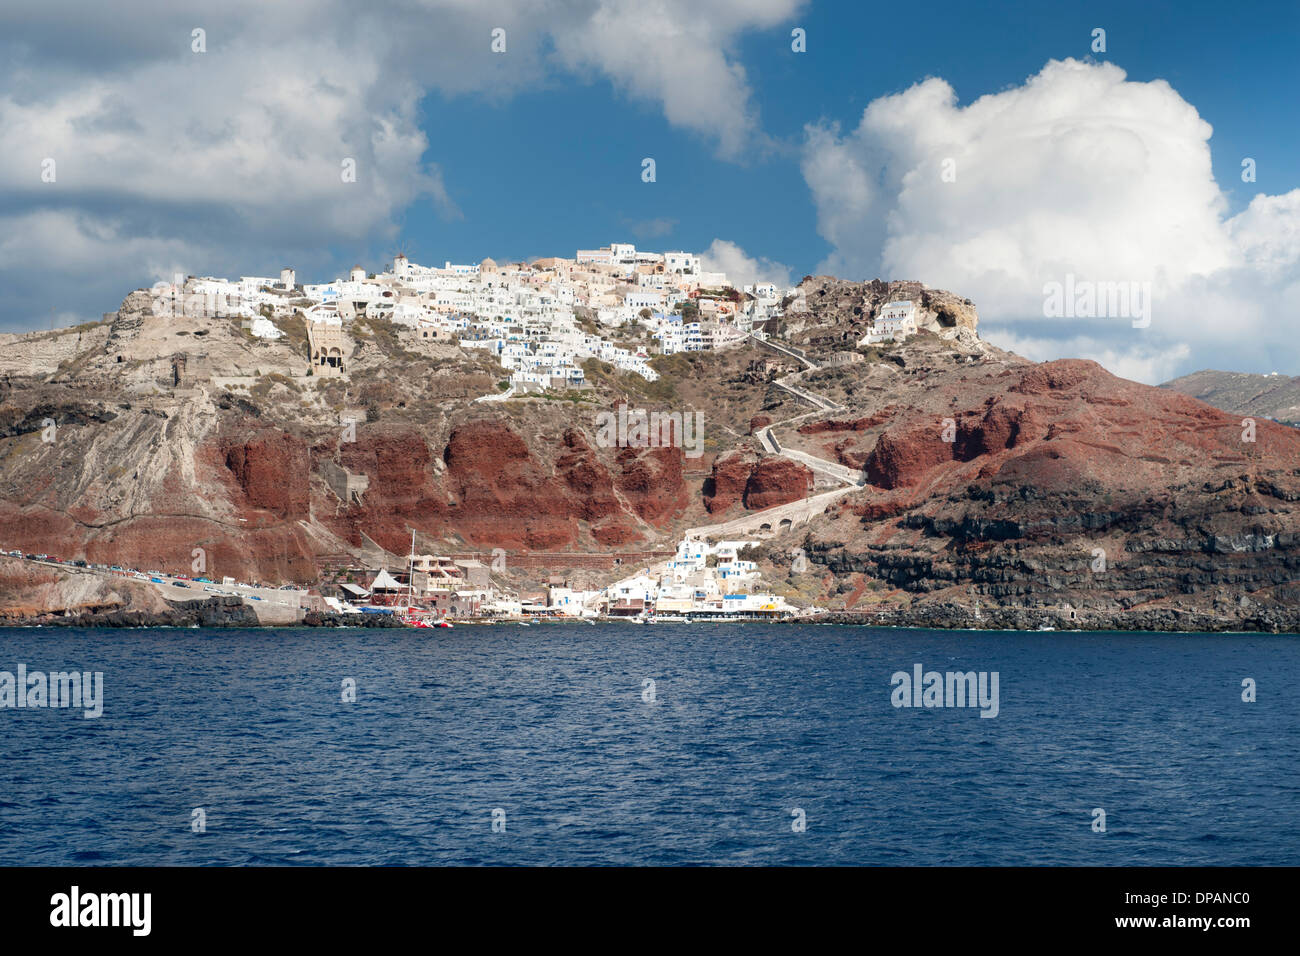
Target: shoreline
x=361, y=622
x=232, y=611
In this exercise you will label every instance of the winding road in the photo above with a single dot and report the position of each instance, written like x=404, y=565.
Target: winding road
x=782, y=517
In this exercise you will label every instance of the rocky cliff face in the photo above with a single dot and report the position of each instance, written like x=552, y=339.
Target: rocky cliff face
x=1061, y=488
x=837, y=313
x=1028, y=490
x=744, y=477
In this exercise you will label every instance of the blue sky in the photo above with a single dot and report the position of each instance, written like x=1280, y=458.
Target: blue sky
x=1234, y=62
x=219, y=162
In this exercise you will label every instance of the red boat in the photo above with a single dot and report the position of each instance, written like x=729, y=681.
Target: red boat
x=425, y=622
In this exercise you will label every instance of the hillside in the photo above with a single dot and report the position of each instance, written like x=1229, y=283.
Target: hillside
x=1241, y=393
x=1035, y=491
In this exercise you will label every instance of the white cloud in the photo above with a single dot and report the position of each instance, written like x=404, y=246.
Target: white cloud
x=1080, y=172
x=673, y=52
x=1139, y=363
x=742, y=270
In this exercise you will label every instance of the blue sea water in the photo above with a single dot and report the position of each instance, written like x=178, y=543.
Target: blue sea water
x=551, y=725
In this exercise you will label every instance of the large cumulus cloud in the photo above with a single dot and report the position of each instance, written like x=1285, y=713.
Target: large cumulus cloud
x=1078, y=172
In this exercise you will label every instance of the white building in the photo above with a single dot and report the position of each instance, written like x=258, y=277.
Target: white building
x=894, y=322
x=681, y=262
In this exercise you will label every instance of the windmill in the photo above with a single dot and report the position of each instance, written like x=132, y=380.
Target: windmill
x=400, y=252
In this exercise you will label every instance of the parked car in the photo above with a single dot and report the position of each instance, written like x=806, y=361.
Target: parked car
x=156, y=580
x=179, y=584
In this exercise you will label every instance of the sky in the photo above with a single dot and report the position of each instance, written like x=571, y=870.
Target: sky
x=997, y=150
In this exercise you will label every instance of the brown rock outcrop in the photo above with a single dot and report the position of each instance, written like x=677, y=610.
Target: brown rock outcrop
x=726, y=486
x=272, y=470
x=776, y=481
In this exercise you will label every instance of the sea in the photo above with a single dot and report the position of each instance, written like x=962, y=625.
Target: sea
x=672, y=744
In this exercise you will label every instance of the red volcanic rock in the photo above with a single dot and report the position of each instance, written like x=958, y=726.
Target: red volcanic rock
x=741, y=476
x=399, y=468
x=507, y=497
x=906, y=453
x=1058, y=376
x=1050, y=463
x=776, y=481
x=402, y=494
x=594, y=496
x=1003, y=426
x=854, y=449
x=847, y=452
x=587, y=477
x=848, y=425
x=504, y=496
x=651, y=482
x=1061, y=425
x=273, y=470
x=876, y=510
x=615, y=534
x=726, y=485
x=759, y=421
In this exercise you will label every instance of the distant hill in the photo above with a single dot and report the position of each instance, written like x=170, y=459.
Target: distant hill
x=1241, y=393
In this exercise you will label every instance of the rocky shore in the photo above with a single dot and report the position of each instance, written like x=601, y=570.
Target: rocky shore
x=1271, y=620
x=213, y=612
x=333, y=619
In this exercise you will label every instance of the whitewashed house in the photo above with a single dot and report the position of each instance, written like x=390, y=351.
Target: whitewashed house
x=893, y=323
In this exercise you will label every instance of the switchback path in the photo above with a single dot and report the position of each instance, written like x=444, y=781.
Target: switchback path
x=781, y=517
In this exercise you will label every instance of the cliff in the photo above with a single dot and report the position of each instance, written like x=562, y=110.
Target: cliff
x=1028, y=489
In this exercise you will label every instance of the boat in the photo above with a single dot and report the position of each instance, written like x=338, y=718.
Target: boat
x=409, y=615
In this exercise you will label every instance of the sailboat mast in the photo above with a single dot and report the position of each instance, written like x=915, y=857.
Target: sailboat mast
x=410, y=574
